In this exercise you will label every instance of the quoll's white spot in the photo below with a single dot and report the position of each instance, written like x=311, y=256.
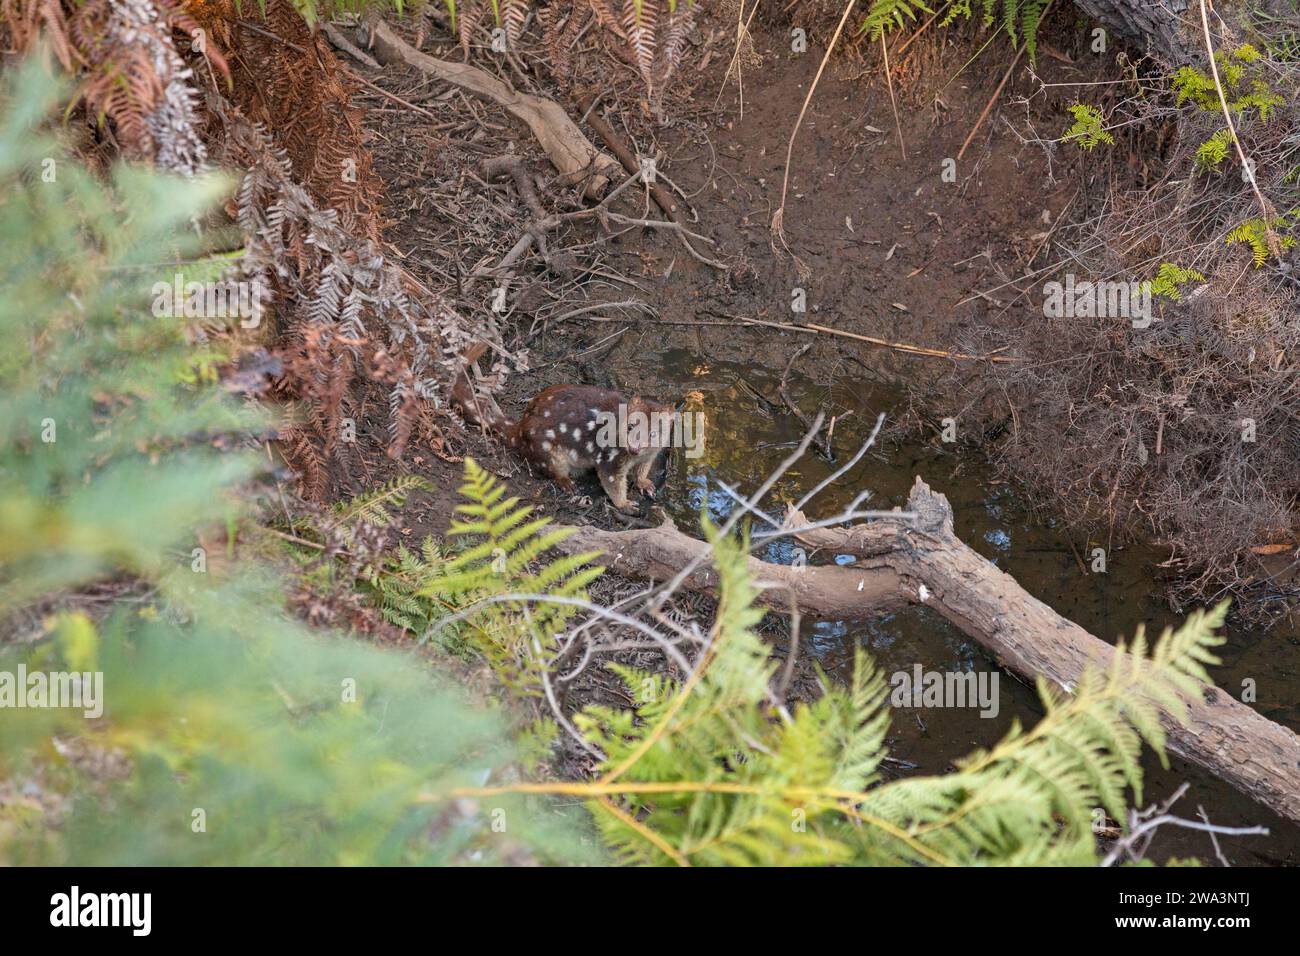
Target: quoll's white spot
x=563, y=428
x=577, y=431
x=590, y=447
x=546, y=413
x=546, y=446
x=550, y=433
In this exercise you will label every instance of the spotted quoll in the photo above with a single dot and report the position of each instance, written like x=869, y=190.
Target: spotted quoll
x=574, y=428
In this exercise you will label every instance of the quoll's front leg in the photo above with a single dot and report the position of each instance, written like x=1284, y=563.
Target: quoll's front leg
x=615, y=484
x=643, y=482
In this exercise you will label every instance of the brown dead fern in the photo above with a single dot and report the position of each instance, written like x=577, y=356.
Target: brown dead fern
x=288, y=79
x=639, y=20
x=187, y=88
x=650, y=35
x=515, y=15
x=133, y=81
x=349, y=319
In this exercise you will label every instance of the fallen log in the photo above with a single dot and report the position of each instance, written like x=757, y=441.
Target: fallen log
x=924, y=562
x=565, y=145
x=656, y=554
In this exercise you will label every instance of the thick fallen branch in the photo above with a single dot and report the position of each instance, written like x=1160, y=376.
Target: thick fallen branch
x=657, y=554
x=662, y=197
x=923, y=562
x=568, y=149
x=341, y=42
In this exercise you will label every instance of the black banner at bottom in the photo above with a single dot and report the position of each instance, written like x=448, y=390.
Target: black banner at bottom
x=532, y=907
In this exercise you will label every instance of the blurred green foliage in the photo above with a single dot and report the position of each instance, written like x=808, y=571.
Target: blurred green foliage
x=231, y=734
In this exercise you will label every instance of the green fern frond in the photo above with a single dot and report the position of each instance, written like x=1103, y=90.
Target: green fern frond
x=1214, y=150
x=536, y=741
x=1169, y=281
x=1019, y=18
x=1230, y=71
x=1192, y=84
x=1254, y=233
x=1011, y=19
x=1031, y=12
x=885, y=16
x=372, y=506
x=501, y=543
x=1261, y=99
x=1087, y=130
x=959, y=8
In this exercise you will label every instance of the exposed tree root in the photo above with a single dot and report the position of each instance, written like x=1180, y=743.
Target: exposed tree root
x=566, y=146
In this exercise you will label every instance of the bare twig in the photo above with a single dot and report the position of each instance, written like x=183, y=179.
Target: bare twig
x=660, y=640
x=1143, y=825
x=556, y=709
x=839, y=472
x=893, y=104
x=824, y=441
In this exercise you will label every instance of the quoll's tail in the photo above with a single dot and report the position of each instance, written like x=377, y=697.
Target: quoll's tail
x=478, y=408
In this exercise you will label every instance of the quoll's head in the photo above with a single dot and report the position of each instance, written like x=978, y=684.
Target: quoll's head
x=649, y=425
